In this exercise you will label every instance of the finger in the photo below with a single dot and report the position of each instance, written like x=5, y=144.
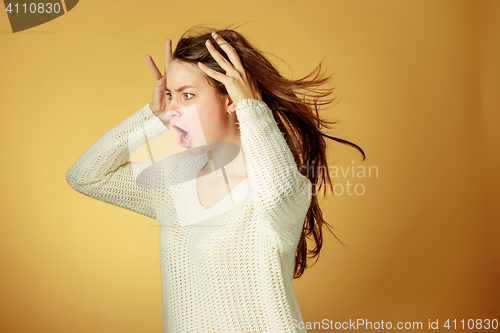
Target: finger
x=168, y=53
x=156, y=72
x=230, y=51
x=214, y=74
x=226, y=65
x=159, y=92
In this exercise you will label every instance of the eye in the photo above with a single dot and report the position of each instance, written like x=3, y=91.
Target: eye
x=187, y=95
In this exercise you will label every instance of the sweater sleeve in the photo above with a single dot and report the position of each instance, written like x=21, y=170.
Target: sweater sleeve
x=104, y=171
x=280, y=193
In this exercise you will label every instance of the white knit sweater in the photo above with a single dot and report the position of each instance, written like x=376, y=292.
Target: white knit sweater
x=227, y=268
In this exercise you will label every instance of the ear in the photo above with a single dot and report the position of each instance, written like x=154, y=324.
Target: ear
x=230, y=105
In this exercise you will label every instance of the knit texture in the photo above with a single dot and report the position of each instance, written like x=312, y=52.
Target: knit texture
x=227, y=268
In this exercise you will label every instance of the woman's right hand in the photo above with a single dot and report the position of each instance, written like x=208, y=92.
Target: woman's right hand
x=159, y=103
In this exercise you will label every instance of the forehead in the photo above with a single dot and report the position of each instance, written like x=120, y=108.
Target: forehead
x=181, y=73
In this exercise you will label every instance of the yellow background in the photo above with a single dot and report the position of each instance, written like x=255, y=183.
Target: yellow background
x=417, y=84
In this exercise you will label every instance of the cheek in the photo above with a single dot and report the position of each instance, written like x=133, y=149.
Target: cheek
x=213, y=125
x=214, y=119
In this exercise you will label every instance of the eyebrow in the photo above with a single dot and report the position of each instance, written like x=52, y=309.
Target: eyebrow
x=181, y=88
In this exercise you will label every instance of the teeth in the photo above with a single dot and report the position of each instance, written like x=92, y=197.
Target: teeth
x=186, y=137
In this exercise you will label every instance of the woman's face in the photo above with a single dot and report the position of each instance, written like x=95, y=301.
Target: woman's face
x=197, y=108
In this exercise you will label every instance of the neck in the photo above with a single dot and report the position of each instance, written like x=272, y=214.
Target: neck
x=224, y=155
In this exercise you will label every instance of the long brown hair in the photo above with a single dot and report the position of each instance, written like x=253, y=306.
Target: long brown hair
x=295, y=105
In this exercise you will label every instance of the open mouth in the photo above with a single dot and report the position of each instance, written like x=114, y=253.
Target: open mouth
x=183, y=135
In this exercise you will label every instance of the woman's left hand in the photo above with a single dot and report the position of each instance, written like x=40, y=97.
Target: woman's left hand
x=239, y=84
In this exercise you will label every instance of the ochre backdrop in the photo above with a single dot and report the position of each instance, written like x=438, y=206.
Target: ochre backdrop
x=417, y=87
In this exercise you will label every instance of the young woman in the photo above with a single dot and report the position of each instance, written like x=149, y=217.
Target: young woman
x=235, y=211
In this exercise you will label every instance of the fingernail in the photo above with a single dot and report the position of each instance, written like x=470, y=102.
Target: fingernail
x=208, y=42
x=214, y=34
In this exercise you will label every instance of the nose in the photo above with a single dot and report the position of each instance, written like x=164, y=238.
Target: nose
x=174, y=114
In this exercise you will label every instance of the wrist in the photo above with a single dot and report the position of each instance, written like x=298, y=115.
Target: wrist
x=152, y=110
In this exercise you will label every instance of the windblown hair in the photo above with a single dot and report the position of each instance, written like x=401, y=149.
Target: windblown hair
x=295, y=106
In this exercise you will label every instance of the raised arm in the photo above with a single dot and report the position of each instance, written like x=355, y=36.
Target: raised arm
x=279, y=191
x=104, y=171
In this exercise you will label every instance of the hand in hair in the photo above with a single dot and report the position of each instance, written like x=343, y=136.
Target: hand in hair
x=238, y=82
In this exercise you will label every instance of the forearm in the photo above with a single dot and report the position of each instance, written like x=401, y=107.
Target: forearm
x=269, y=160
x=104, y=171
